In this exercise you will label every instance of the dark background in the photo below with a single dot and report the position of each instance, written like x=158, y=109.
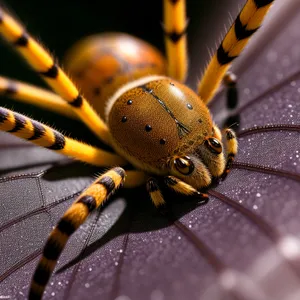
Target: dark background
x=58, y=24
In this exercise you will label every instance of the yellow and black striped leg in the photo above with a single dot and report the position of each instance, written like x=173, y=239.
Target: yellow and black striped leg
x=75, y=216
x=31, y=94
x=247, y=23
x=42, y=62
x=155, y=193
x=49, y=138
x=183, y=188
x=175, y=25
x=230, y=82
x=232, y=148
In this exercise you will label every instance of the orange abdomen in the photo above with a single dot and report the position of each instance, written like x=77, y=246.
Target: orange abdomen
x=101, y=64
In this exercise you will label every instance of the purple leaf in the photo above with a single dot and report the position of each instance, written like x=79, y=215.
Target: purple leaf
x=243, y=244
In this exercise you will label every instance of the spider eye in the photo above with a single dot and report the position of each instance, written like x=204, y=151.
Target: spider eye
x=213, y=145
x=184, y=165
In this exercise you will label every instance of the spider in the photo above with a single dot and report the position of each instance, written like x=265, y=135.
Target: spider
x=148, y=117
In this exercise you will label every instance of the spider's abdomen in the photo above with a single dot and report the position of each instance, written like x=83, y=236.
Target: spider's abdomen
x=101, y=64
x=155, y=117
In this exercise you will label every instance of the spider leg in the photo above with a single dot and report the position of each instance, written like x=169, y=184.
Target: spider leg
x=47, y=137
x=175, y=24
x=174, y=184
x=183, y=188
x=31, y=94
x=232, y=147
x=247, y=22
x=155, y=192
x=42, y=62
x=230, y=82
x=75, y=216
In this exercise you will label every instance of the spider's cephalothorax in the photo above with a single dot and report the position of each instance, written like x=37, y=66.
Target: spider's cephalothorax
x=160, y=125
x=155, y=122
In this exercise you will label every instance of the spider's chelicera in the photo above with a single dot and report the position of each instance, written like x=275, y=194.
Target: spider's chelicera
x=142, y=110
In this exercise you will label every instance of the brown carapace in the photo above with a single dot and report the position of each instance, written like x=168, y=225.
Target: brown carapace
x=142, y=110
x=155, y=119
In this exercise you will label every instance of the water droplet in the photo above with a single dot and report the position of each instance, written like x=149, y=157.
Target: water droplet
x=52, y=294
x=87, y=285
x=157, y=295
x=255, y=207
x=258, y=195
x=247, y=91
x=122, y=297
x=179, y=237
x=116, y=263
x=272, y=56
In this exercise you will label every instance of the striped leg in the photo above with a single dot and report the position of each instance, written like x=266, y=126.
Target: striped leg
x=183, y=188
x=230, y=81
x=42, y=62
x=45, y=136
x=76, y=215
x=247, y=22
x=155, y=193
x=175, y=24
x=232, y=148
x=31, y=94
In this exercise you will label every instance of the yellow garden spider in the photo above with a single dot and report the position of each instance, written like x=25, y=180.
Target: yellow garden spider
x=152, y=121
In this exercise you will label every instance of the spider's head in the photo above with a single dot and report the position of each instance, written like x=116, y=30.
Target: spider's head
x=199, y=166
